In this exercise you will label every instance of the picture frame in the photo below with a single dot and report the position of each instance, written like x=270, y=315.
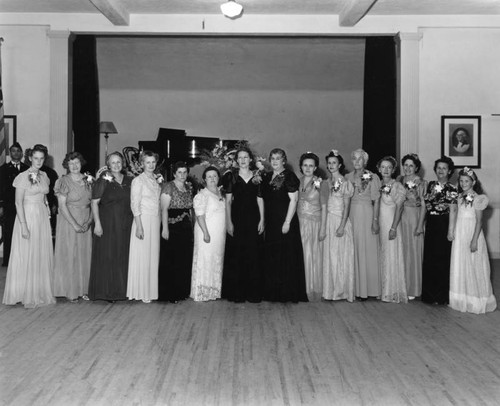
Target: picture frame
x=461, y=140
x=10, y=129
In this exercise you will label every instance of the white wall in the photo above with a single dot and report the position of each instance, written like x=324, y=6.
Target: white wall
x=459, y=75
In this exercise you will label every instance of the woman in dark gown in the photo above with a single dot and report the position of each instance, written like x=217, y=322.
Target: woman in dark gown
x=441, y=205
x=113, y=222
x=176, y=247
x=284, y=274
x=242, y=277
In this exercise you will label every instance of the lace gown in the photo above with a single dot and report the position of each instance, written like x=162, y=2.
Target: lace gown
x=437, y=248
x=309, y=206
x=338, y=258
x=242, y=278
x=208, y=259
x=367, y=274
x=413, y=246
x=110, y=252
x=29, y=274
x=284, y=274
x=392, y=266
x=470, y=284
x=73, y=250
x=144, y=255
x=176, y=253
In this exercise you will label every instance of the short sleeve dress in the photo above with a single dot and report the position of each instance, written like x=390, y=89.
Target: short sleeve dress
x=110, y=252
x=284, y=273
x=29, y=274
x=338, y=257
x=392, y=265
x=470, y=283
x=73, y=250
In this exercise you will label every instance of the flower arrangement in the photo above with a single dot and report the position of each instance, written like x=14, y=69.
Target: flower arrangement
x=337, y=185
x=220, y=156
x=159, y=178
x=257, y=174
x=34, y=177
x=277, y=181
x=365, y=180
x=108, y=177
x=386, y=189
x=469, y=199
x=88, y=179
x=317, y=182
x=438, y=188
x=411, y=185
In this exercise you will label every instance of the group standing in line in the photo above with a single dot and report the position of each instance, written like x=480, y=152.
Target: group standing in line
x=257, y=235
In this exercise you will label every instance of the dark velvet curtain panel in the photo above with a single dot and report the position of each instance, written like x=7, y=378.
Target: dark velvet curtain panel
x=86, y=100
x=379, y=106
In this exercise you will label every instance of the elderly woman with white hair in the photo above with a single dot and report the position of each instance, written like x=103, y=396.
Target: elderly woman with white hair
x=364, y=217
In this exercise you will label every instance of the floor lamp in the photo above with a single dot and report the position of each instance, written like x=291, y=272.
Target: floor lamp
x=106, y=128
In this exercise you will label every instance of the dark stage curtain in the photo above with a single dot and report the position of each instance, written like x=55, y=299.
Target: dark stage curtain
x=379, y=106
x=86, y=100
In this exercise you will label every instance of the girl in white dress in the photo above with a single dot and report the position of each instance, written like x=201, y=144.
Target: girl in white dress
x=144, y=254
x=209, y=239
x=470, y=284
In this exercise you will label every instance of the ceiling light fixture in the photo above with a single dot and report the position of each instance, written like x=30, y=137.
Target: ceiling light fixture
x=231, y=9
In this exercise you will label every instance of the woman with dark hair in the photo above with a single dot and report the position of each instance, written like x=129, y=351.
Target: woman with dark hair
x=73, y=234
x=364, y=217
x=392, y=265
x=338, y=257
x=113, y=221
x=144, y=256
x=284, y=274
x=311, y=210
x=241, y=280
x=209, y=238
x=29, y=274
x=412, y=223
x=441, y=209
x=176, y=247
x=470, y=283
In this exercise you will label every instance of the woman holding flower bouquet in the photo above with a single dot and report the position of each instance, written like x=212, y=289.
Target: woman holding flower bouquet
x=311, y=209
x=364, y=217
x=284, y=275
x=242, y=277
x=412, y=223
x=73, y=234
x=113, y=221
x=338, y=257
x=392, y=265
x=441, y=209
x=29, y=274
x=470, y=284
x=144, y=256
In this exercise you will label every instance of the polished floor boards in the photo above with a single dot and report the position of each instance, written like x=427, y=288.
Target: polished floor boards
x=220, y=353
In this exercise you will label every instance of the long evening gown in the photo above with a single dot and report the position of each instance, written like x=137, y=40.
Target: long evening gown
x=176, y=253
x=311, y=199
x=144, y=255
x=366, y=261
x=338, y=258
x=413, y=246
x=284, y=274
x=110, y=252
x=392, y=265
x=437, y=248
x=470, y=284
x=208, y=258
x=29, y=274
x=242, y=277
x=73, y=250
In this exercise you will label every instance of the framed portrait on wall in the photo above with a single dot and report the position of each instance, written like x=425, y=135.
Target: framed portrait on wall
x=461, y=140
x=10, y=129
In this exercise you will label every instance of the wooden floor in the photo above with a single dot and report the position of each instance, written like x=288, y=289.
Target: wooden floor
x=219, y=353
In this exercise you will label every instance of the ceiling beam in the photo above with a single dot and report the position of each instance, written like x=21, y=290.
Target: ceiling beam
x=353, y=11
x=112, y=10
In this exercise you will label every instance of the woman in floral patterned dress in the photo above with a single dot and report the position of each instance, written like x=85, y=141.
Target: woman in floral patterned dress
x=441, y=209
x=470, y=284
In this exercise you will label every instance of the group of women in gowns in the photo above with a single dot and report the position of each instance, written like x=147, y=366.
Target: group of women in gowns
x=337, y=239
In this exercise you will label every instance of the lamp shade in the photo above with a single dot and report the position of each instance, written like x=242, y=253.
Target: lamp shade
x=231, y=9
x=107, y=127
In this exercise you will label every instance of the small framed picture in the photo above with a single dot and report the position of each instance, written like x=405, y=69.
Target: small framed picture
x=10, y=127
x=461, y=140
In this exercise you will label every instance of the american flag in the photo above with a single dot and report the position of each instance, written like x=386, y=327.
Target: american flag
x=3, y=141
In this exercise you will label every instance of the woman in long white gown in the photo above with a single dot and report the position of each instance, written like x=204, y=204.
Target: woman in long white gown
x=209, y=239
